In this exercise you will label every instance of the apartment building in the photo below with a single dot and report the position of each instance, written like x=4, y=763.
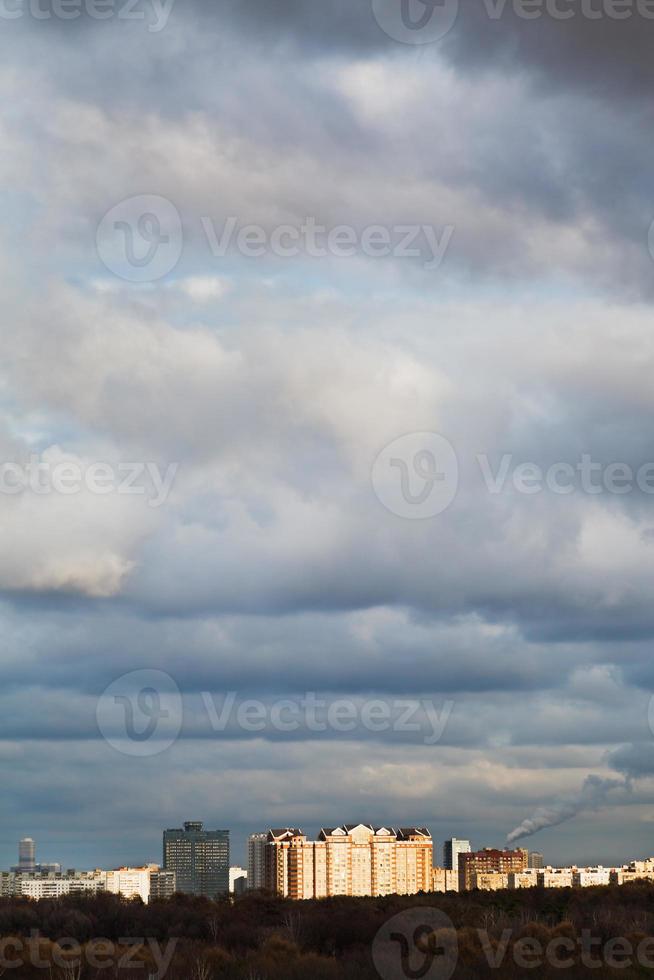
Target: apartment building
x=587, y=877
x=488, y=861
x=38, y=885
x=163, y=884
x=555, y=878
x=444, y=880
x=354, y=859
x=636, y=871
x=523, y=879
x=130, y=883
x=490, y=881
x=146, y=883
x=257, y=861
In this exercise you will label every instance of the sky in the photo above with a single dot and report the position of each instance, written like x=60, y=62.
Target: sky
x=326, y=377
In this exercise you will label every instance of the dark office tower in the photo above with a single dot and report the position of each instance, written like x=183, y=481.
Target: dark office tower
x=199, y=858
x=536, y=860
x=26, y=854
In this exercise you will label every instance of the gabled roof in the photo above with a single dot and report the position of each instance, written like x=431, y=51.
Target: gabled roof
x=405, y=832
x=284, y=833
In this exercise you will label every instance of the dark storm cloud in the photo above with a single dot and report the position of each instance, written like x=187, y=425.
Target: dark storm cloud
x=606, y=54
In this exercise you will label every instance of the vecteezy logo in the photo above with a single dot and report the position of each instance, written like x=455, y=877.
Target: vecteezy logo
x=140, y=714
x=416, y=21
x=416, y=476
x=140, y=239
x=419, y=944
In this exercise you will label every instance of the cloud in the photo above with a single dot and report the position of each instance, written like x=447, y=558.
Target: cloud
x=593, y=795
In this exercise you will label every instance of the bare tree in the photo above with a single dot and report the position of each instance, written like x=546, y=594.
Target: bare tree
x=293, y=924
x=201, y=970
x=214, y=928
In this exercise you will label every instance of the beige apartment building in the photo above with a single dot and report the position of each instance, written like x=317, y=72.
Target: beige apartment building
x=355, y=860
x=490, y=881
x=444, y=880
x=524, y=879
x=555, y=877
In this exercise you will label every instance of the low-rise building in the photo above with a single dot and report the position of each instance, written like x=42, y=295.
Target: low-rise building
x=636, y=871
x=588, y=877
x=39, y=886
x=555, y=878
x=523, y=879
x=490, y=881
x=444, y=880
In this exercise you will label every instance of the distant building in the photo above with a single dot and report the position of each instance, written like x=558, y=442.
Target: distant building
x=451, y=850
x=586, y=877
x=199, y=858
x=444, y=880
x=257, y=861
x=130, y=883
x=354, y=860
x=238, y=880
x=555, y=878
x=35, y=885
x=636, y=871
x=146, y=883
x=490, y=881
x=536, y=860
x=26, y=855
x=163, y=884
x=27, y=860
x=488, y=861
x=523, y=879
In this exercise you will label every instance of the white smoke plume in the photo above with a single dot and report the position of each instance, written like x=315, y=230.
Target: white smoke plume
x=592, y=796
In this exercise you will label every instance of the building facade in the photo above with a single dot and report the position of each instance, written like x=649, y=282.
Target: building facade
x=354, y=860
x=586, y=877
x=130, y=883
x=523, y=879
x=444, y=880
x=145, y=883
x=536, y=860
x=238, y=880
x=451, y=850
x=199, y=858
x=555, y=878
x=26, y=855
x=488, y=861
x=257, y=861
x=163, y=884
x=38, y=885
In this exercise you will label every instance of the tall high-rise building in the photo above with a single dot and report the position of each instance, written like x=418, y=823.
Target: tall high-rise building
x=26, y=855
x=27, y=860
x=451, y=850
x=257, y=861
x=536, y=860
x=199, y=858
x=354, y=859
x=488, y=861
